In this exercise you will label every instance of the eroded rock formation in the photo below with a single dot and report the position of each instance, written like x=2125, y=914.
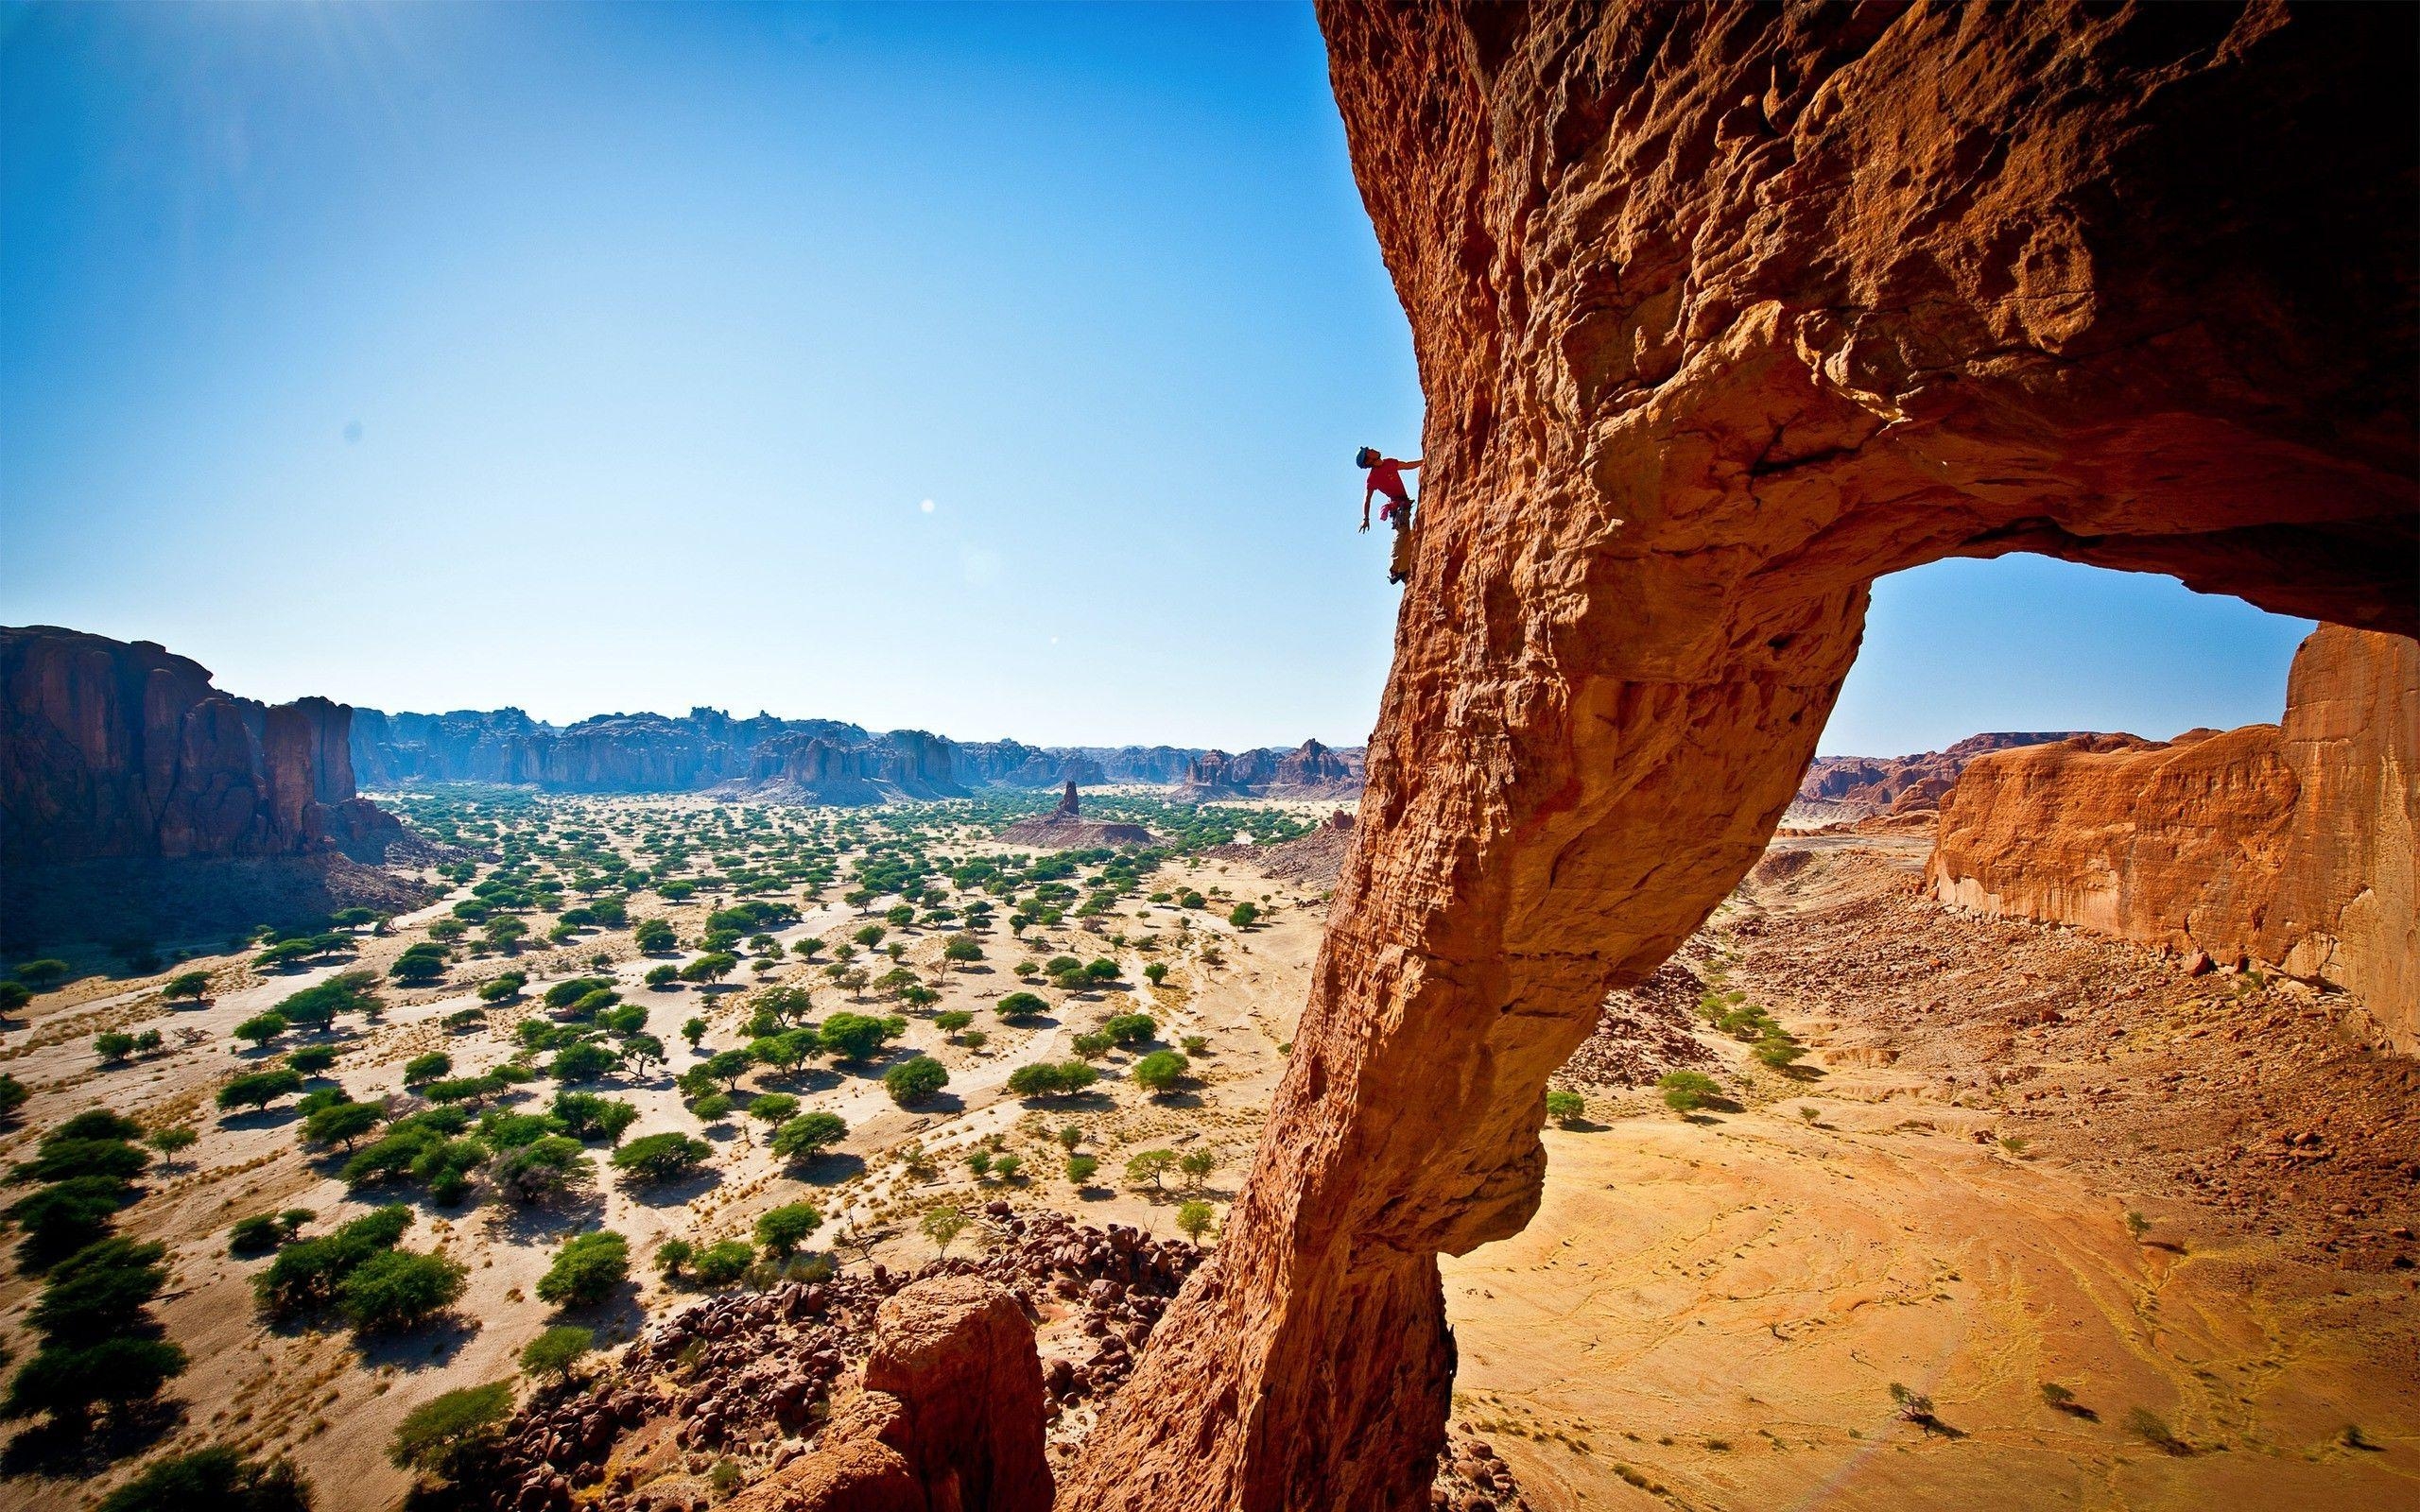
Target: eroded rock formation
x=1065, y=827
x=2290, y=846
x=1310, y=770
x=110, y=749
x=1856, y=787
x=1722, y=312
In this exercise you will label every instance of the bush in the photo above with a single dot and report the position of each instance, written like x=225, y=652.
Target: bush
x=427, y=1068
x=660, y=1158
x=1242, y=914
x=782, y=1229
x=912, y=1081
x=1567, y=1108
x=552, y=1354
x=256, y=1235
x=1160, y=1071
x=1194, y=1218
x=808, y=1135
x=1044, y=1079
x=398, y=1290
x=855, y=1035
x=212, y=1480
x=1685, y=1092
x=586, y=1270
x=662, y=977
x=1020, y=1006
x=68, y=1381
x=543, y=1169
x=584, y=1062
x=723, y=1263
x=502, y=987
x=260, y=1088
x=342, y=1123
x=450, y=1435
x=307, y=1272
x=67, y=1216
x=1081, y=1167
x=261, y=1029
x=588, y=1116
x=48, y=972
x=1131, y=1028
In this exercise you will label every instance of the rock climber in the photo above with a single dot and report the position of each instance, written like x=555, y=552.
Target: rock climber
x=1386, y=476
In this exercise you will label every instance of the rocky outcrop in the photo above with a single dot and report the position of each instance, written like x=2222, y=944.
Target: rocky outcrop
x=1856, y=787
x=112, y=750
x=1722, y=312
x=952, y=1417
x=2288, y=847
x=905, y=763
x=1065, y=827
x=1310, y=770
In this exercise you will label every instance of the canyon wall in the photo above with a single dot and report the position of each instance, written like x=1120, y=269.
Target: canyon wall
x=905, y=763
x=118, y=751
x=2290, y=847
x=1722, y=312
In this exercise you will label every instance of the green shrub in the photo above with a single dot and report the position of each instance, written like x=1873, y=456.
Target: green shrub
x=586, y=1270
x=552, y=1354
x=656, y=1159
x=212, y=1480
x=913, y=1080
x=450, y=1436
x=398, y=1290
x=782, y=1229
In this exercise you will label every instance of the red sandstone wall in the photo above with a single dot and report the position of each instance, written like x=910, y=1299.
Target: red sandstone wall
x=2290, y=846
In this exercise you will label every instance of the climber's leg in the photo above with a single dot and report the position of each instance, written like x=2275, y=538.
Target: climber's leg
x=1399, y=564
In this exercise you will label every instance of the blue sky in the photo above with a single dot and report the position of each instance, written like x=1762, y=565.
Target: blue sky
x=598, y=358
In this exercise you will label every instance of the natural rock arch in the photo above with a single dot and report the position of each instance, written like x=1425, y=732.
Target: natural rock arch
x=1723, y=312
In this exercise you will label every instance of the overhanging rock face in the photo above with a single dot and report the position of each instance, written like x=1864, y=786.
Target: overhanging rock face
x=1722, y=312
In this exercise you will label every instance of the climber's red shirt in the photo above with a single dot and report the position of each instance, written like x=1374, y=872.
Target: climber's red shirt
x=1386, y=476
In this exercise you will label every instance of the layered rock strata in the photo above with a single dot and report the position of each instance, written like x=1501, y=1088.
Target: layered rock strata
x=2290, y=846
x=1722, y=312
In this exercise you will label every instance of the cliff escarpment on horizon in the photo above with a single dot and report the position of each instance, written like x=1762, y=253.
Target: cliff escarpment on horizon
x=804, y=760
x=2288, y=847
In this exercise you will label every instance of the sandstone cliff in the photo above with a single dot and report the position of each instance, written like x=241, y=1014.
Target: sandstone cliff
x=110, y=749
x=2290, y=846
x=1066, y=829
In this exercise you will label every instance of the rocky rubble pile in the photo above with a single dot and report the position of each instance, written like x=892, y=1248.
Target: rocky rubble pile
x=750, y=1376
x=1640, y=1035
x=1472, y=1478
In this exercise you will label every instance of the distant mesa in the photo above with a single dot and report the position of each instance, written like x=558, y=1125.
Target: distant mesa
x=1065, y=827
x=1310, y=770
